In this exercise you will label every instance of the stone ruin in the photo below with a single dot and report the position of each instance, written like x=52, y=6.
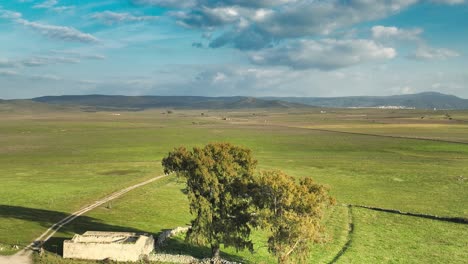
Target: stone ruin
x=119, y=246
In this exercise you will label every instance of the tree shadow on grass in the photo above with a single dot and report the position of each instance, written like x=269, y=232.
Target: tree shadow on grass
x=46, y=218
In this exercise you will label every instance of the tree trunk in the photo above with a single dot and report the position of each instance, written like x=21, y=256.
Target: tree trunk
x=215, y=254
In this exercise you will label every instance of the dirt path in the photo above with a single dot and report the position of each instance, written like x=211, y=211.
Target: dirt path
x=16, y=259
x=24, y=256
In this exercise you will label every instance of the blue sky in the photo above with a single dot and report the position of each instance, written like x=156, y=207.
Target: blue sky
x=233, y=47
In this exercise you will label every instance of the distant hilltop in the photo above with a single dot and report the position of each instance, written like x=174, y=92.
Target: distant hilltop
x=116, y=102
x=426, y=100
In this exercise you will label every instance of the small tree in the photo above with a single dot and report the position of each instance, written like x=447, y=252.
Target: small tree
x=291, y=212
x=218, y=178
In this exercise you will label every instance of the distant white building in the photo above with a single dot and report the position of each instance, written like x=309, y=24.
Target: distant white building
x=119, y=246
x=395, y=107
x=384, y=107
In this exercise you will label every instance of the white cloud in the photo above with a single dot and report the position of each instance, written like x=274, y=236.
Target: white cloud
x=326, y=54
x=8, y=73
x=213, y=3
x=7, y=14
x=382, y=32
x=51, y=31
x=429, y=53
x=52, y=5
x=46, y=77
x=206, y=17
x=259, y=24
x=46, y=4
x=78, y=55
x=58, y=32
x=167, y=3
x=109, y=17
x=449, y=2
x=45, y=60
x=4, y=63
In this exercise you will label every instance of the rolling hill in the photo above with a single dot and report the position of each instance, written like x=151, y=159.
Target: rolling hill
x=29, y=107
x=426, y=100
x=115, y=102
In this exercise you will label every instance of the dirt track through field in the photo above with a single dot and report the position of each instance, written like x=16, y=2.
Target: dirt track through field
x=24, y=256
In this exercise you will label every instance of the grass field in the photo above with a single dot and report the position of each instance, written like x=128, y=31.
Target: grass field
x=54, y=163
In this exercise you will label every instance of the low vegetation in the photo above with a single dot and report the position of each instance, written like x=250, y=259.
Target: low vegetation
x=89, y=155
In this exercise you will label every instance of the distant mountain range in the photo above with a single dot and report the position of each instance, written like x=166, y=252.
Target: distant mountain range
x=426, y=100
x=102, y=102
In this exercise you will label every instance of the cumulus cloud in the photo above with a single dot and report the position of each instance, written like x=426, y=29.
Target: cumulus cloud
x=256, y=24
x=205, y=17
x=326, y=54
x=109, y=17
x=429, y=53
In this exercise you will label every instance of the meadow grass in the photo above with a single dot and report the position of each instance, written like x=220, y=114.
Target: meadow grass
x=54, y=163
x=389, y=238
x=162, y=205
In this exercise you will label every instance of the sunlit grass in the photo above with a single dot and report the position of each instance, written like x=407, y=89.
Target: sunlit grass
x=52, y=164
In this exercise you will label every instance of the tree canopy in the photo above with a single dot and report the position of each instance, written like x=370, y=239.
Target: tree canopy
x=218, y=179
x=291, y=212
x=227, y=200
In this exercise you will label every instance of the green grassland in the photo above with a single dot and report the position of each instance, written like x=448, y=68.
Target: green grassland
x=52, y=163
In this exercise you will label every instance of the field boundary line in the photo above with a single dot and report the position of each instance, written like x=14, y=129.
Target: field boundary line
x=377, y=135
x=348, y=237
x=39, y=241
x=457, y=220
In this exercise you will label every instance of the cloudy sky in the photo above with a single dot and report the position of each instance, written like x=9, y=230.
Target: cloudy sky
x=233, y=47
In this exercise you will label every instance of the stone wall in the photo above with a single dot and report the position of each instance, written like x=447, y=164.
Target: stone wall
x=135, y=251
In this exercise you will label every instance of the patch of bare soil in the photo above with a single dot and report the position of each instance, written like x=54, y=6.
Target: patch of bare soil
x=15, y=259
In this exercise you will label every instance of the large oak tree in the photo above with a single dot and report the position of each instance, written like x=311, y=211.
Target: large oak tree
x=218, y=179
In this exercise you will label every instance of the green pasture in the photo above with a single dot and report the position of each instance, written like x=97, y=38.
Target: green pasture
x=51, y=164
